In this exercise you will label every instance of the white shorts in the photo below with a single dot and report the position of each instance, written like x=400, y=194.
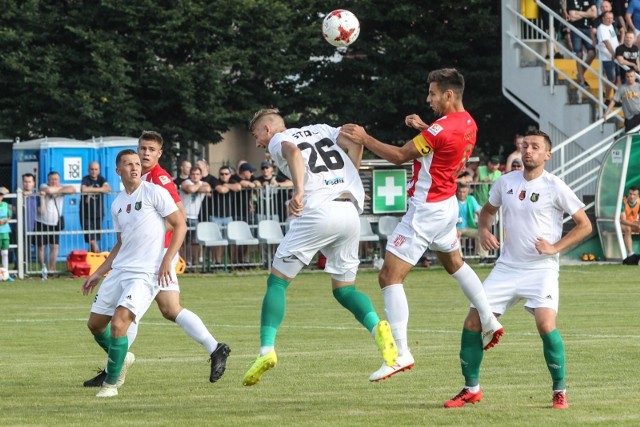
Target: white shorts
x=506, y=285
x=174, y=285
x=333, y=229
x=132, y=290
x=426, y=226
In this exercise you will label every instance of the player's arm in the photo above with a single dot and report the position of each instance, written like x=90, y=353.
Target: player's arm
x=391, y=153
x=353, y=150
x=292, y=154
x=487, y=216
x=93, y=280
x=177, y=222
x=573, y=237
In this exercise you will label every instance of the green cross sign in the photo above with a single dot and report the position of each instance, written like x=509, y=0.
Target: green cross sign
x=389, y=191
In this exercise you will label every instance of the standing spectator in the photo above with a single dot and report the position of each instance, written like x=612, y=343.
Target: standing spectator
x=485, y=176
x=517, y=154
x=223, y=197
x=467, y=226
x=267, y=177
x=31, y=201
x=555, y=6
x=581, y=12
x=516, y=165
x=632, y=17
x=48, y=220
x=183, y=173
x=206, y=209
x=629, y=95
x=627, y=56
x=630, y=218
x=533, y=205
x=619, y=8
x=93, y=188
x=245, y=176
x=607, y=45
x=5, y=231
x=192, y=192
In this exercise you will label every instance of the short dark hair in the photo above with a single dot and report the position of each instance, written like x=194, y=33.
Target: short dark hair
x=447, y=78
x=546, y=138
x=125, y=152
x=633, y=188
x=29, y=175
x=195, y=168
x=52, y=173
x=151, y=135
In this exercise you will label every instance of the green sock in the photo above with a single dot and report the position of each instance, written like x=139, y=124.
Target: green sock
x=553, y=348
x=359, y=304
x=471, y=357
x=104, y=339
x=117, y=353
x=273, y=308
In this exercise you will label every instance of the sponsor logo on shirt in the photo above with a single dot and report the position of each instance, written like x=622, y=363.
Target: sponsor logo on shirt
x=399, y=241
x=334, y=181
x=165, y=180
x=435, y=129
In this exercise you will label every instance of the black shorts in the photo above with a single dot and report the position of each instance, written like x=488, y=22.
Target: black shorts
x=47, y=239
x=89, y=225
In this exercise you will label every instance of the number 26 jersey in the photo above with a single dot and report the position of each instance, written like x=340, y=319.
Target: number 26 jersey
x=328, y=171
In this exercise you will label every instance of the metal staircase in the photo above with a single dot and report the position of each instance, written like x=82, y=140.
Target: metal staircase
x=550, y=95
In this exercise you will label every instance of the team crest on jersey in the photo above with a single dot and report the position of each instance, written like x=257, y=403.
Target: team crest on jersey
x=435, y=129
x=399, y=241
x=129, y=208
x=165, y=180
x=522, y=195
x=138, y=206
x=535, y=197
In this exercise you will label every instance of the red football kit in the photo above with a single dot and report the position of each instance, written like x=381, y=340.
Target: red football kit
x=161, y=177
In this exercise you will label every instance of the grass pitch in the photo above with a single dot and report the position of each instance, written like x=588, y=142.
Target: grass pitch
x=325, y=358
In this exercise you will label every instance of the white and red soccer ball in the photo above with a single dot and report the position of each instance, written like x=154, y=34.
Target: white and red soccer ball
x=340, y=28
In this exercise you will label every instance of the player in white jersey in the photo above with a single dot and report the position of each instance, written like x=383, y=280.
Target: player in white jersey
x=533, y=204
x=327, y=199
x=138, y=263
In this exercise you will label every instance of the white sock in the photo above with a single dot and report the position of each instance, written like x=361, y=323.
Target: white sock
x=396, y=308
x=474, y=389
x=194, y=327
x=472, y=288
x=132, y=333
x=265, y=350
x=5, y=259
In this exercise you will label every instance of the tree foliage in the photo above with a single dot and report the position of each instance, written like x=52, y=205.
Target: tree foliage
x=193, y=69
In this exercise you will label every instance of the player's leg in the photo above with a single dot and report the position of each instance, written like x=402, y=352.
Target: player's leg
x=554, y=355
x=471, y=354
x=626, y=235
x=472, y=288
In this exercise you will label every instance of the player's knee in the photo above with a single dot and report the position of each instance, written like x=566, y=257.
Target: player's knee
x=170, y=311
x=472, y=322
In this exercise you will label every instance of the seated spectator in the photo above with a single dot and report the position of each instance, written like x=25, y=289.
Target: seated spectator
x=630, y=218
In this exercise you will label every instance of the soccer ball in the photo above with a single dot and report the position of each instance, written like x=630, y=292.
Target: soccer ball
x=340, y=28
x=4, y=274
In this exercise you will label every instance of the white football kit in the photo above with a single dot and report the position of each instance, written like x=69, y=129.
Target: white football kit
x=133, y=280
x=326, y=224
x=530, y=209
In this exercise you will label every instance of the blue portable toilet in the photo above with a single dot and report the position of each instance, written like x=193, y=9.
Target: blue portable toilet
x=70, y=158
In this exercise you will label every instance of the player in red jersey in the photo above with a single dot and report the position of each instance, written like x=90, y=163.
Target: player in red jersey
x=439, y=155
x=168, y=299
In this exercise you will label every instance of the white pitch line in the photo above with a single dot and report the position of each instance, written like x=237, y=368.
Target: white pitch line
x=333, y=328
